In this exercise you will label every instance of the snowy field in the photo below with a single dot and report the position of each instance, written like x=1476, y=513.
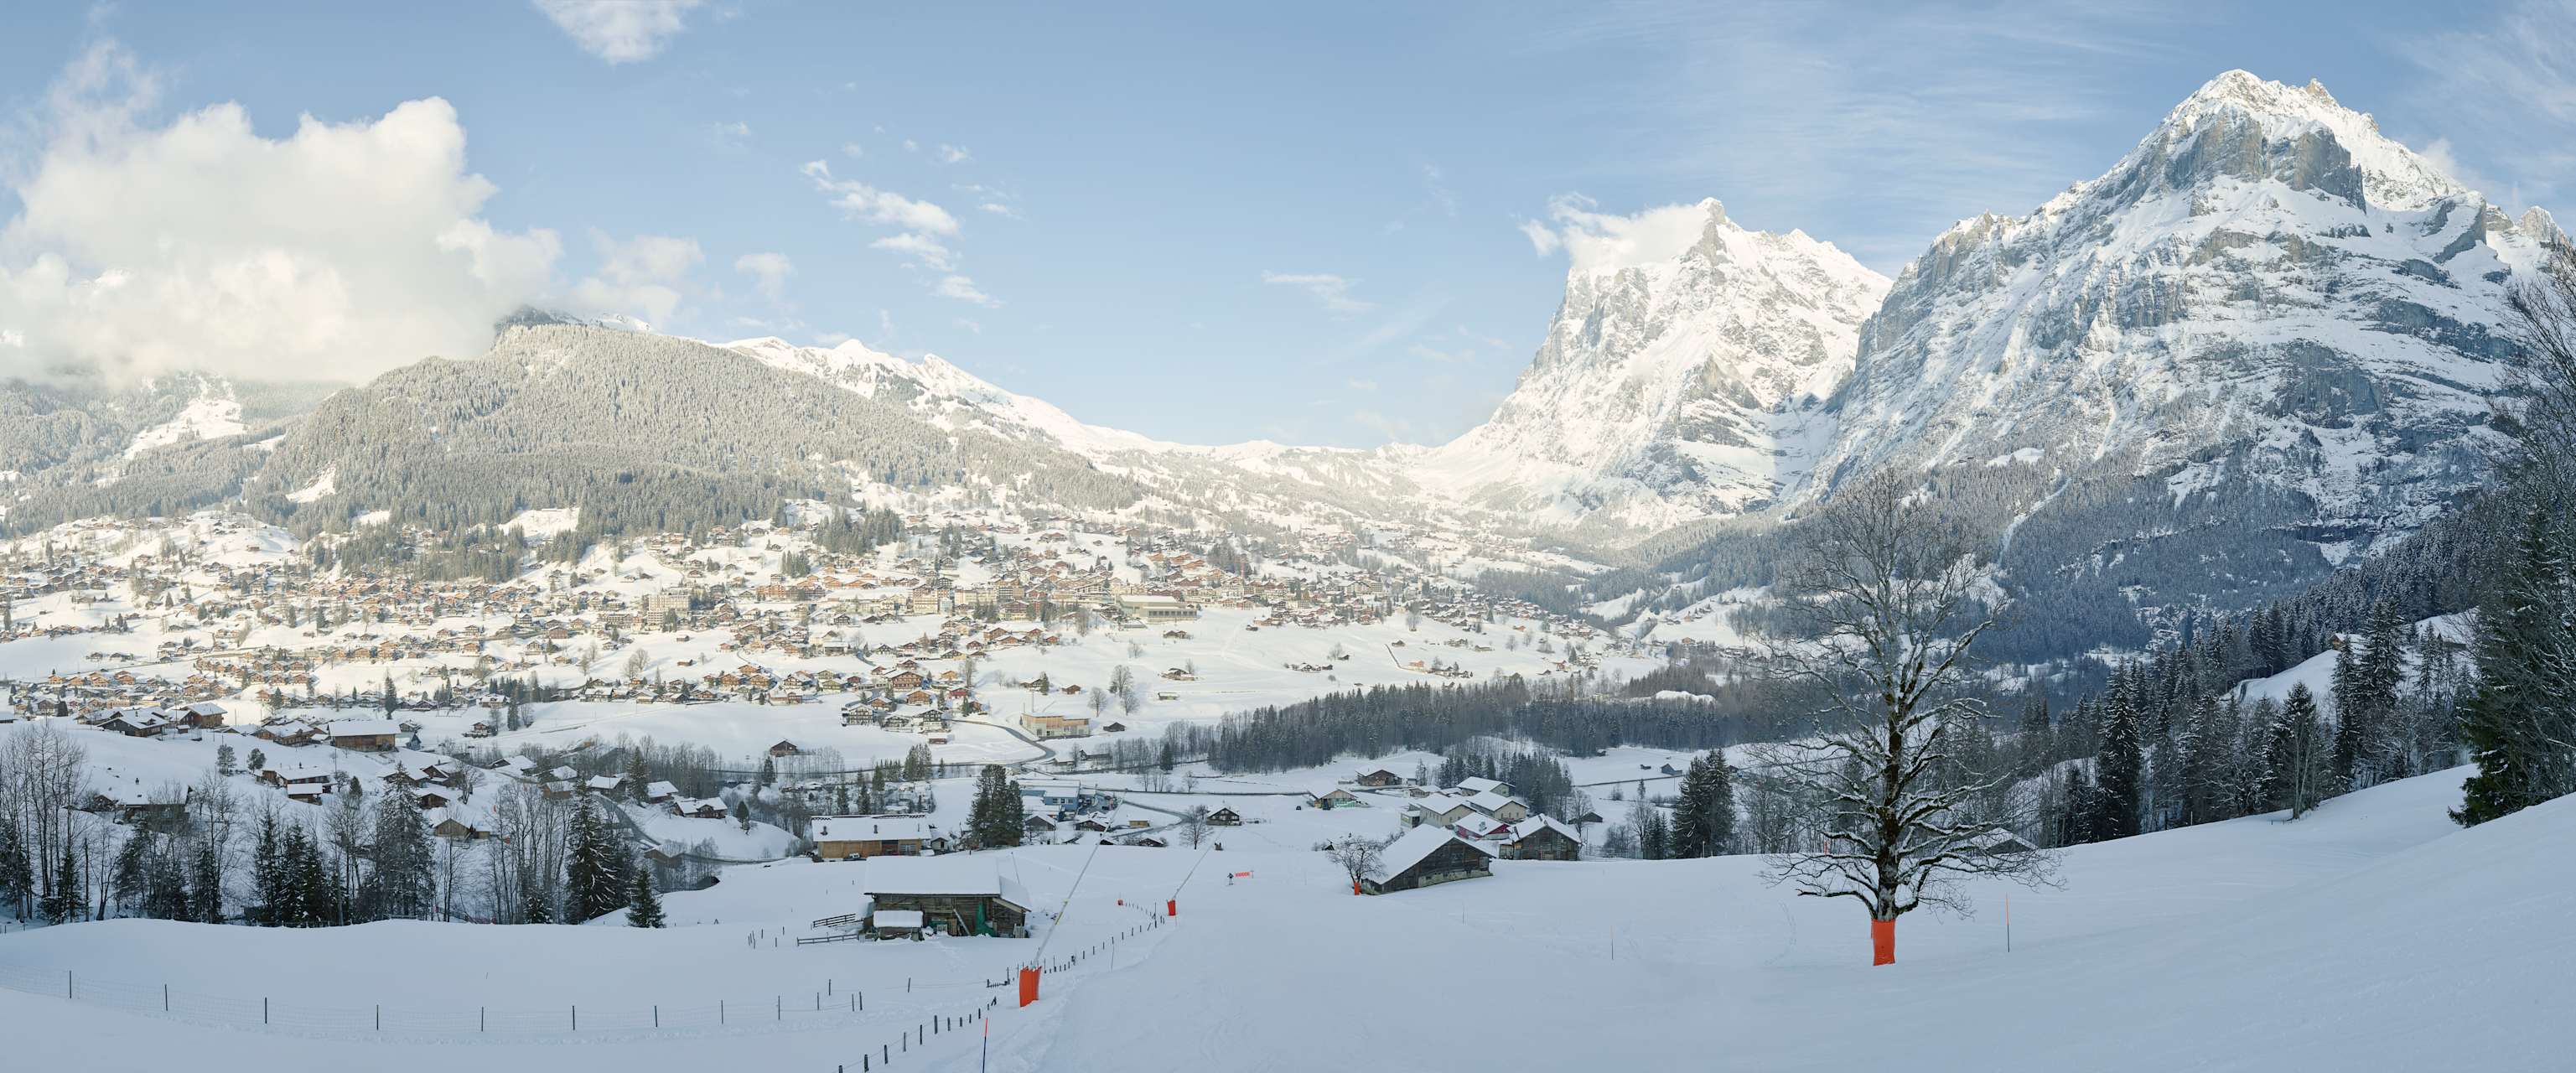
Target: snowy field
x=2373, y=935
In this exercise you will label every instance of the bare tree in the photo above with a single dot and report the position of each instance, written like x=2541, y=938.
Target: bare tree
x=1194, y=825
x=1892, y=593
x=1358, y=857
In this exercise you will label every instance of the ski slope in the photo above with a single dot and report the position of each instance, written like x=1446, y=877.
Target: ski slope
x=2371, y=935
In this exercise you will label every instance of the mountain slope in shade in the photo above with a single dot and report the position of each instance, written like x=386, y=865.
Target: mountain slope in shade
x=2265, y=291
x=1683, y=376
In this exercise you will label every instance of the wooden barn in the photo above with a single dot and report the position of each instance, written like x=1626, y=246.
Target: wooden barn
x=966, y=895
x=1541, y=838
x=1427, y=856
x=1225, y=817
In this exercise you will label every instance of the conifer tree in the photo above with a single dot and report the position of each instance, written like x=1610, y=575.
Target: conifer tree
x=1704, y=820
x=2117, y=771
x=643, y=907
x=2517, y=726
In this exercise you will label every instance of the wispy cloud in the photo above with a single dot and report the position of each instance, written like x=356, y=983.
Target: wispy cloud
x=1442, y=198
x=964, y=290
x=731, y=136
x=768, y=271
x=952, y=154
x=2507, y=88
x=1333, y=292
x=1895, y=124
x=620, y=31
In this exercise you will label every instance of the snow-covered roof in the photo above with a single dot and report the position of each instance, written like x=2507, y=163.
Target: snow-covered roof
x=1410, y=850
x=1478, y=785
x=967, y=875
x=1539, y=822
x=361, y=728
x=872, y=828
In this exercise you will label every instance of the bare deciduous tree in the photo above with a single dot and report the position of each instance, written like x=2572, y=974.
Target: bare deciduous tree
x=1358, y=857
x=1892, y=593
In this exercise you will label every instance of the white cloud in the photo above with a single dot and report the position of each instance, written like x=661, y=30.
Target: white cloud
x=1334, y=292
x=1541, y=237
x=643, y=276
x=338, y=251
x=1445, y=357
x=859, y=201
x=950, y=154
x=911, y=146
x=963, y=289
x=853, y=150
x=919, y=247
x=969, y=325
x=1360, y=385
x=734, y=135
x=620, y=31
x=1602, y=242
x=769, y=272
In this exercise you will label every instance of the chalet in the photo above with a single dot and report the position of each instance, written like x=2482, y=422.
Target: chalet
x=1541, y=838
x=1506, y=809
x=660, y=793
x=1114, y=728
x=1225, y=817
x=966, y=895
x=1473, y=785
x=1147, y=841
x=1426, y=856
x=841, y=838
x=1044, y=727
x=1438, y=810
x=365, y=735
x=785, y=748
x=1379, y=778
x=699, y=808
x=1336, y=798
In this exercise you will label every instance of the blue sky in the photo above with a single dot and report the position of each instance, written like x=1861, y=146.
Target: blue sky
x=1206, y=223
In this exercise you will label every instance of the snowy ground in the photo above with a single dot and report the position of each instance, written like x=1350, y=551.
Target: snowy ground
x=2373, y=935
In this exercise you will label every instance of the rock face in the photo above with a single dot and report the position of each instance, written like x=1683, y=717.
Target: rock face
x=1671, y=387
x=2268, y=338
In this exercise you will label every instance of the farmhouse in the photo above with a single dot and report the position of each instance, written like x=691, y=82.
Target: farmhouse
x=965, y=895
x=1379, y=778
x=1225, y=817
x=841, y=838
x=365, y=735
x=1426, y=856
x=1043, y=727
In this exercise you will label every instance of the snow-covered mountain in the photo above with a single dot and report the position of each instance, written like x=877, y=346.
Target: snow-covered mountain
x=2267, y=309
x=1683, y=376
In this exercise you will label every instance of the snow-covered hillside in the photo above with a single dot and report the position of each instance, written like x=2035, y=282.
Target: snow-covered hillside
x=2252, y=944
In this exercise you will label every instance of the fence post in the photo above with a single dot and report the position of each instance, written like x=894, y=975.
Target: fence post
x=576, y=1018
x=719, y=1011
x=779, y=1007
x=380, y=1017
x=263, y=1009
x=478, y=1019
x=657, y=1015
x=165, y=999
x=67, y=983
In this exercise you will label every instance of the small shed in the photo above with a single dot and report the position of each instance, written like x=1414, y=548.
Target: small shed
x=896, y=923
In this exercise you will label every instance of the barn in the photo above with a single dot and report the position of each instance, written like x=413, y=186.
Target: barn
x=965, y=895
x=1541, y=838
x=1426, y=856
